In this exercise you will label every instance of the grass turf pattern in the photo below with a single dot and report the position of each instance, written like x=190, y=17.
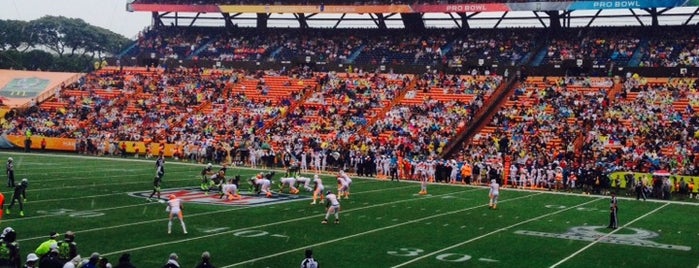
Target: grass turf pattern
x=383, y=224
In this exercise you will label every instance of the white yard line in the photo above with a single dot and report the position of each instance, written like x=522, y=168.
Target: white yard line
x=372, y=231
x=161, y=219
x=149, y=182
x=315, y=216
x=605, y=236
x=493, y=232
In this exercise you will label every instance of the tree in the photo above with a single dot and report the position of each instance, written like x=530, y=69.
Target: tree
x=64, y=35
x=55, y=43
x=13, y=35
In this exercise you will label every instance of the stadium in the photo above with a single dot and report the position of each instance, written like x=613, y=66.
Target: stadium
x=562, y=104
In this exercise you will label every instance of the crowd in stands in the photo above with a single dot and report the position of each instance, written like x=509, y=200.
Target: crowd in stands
x=599, y=46
x=506, y=47
x=671, y=48
x=651, y=126
x=340, y=118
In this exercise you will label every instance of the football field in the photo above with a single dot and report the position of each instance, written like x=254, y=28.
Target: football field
x=383, y=223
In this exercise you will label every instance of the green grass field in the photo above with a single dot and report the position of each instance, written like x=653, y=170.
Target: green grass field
x=383, y=224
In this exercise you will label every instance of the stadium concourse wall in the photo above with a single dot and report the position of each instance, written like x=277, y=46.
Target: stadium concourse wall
x=68, y=145
x=567, y=67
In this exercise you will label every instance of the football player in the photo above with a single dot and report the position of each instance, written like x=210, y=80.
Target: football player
x=230, y=189
x=284, y=182
x=261, y=184
x=332, y=205
x=174, y=206
x=158, y=179
x=305, y=181
x=493, y=194
x=318, y=189
x=206, y=173
x=19, y=195
x=10, y=172
x=424, y=178
x=344, y=183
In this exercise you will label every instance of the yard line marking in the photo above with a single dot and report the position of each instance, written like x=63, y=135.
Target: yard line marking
x=607, y=235
x=162, y=219
x=493, y=232
x=269, y=224
x=373, y=231
x=99, y=185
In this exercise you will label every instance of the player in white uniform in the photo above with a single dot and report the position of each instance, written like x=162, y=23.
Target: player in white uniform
x=424, y=178
x=319, y=188
x=332, y=205
x=261, y=184
x=513, y=175
x=493, y=194
x=289, y=181
x=344, y=182
x=305, y=181
x=230, y=189
x=174, y=206
x=304, y=162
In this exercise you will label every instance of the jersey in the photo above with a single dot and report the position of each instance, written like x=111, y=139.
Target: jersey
x=332, y=201
x=287, y=181
x=309, y=263
x=9, y=254
x=67, y=251
x=230, y=188
x=494, y=189
x=174, y=205
x=318, y=184
x=160, y=167
x=10, y=168
x=20, y=191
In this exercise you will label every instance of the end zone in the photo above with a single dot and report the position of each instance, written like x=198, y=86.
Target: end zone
x=195, y=195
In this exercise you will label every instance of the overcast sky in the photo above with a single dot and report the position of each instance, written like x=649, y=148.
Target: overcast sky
x=110, y=14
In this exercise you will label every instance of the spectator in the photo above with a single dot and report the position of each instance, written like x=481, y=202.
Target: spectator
x=51, y=260
x=73, y=263
x=67, y=249
x=309, y=261
x=125, y=261
x=45, y=247
x=12, y=258
x=32, y=261
x=103, y=263
x=172, y=261
x=205, y=261
x=92, y=262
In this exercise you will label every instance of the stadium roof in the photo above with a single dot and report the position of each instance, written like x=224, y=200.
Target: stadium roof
x=463, y=15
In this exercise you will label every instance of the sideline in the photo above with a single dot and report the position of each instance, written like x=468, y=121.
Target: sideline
x=326, y=173
x=606, y=235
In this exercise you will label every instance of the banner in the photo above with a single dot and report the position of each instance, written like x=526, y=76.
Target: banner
x=337, y=9
x=172, y=8
x=465, y=7
x=623, y=4
x=55, y=144
x=64, y=144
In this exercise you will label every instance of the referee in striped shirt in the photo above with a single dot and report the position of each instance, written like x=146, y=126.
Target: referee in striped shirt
x=309, y=261
x=613, y=208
